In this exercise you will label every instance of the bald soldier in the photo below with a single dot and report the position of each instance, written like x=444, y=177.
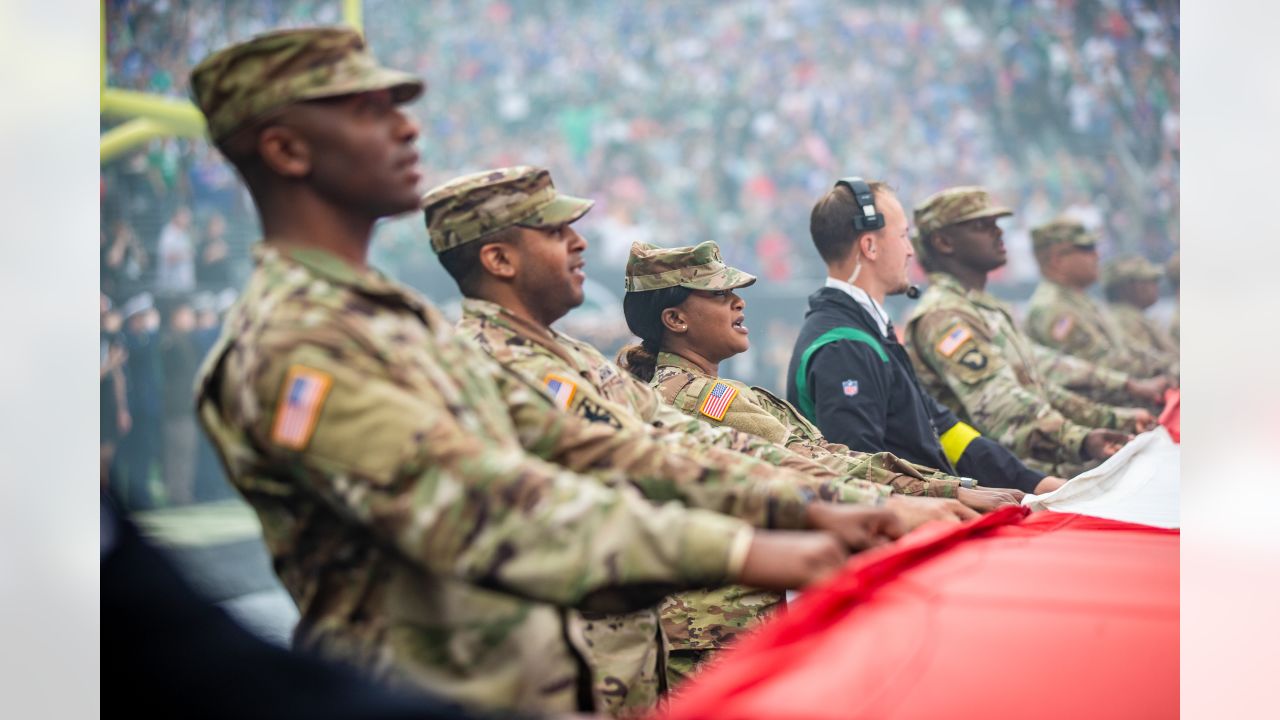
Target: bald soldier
x=1061, y=316
x=421, y=542
x=968, y=353
x=1131, y=285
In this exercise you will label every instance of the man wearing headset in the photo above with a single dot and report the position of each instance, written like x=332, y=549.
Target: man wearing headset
x=850, y=375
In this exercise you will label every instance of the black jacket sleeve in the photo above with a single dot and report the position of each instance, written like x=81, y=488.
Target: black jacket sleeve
x=992, y=465
x=859, y=419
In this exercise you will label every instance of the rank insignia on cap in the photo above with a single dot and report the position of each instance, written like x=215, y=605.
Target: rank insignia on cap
x=954, y=338
x=717, y=402
x=1062, y=327
x=850, y=387
x=301, y=398
x=562, y=389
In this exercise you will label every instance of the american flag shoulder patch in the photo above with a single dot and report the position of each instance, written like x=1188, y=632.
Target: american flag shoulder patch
x=562, y=389
x=954, y=338
x=1062, y=327
x=718, y=400
x=301, y=398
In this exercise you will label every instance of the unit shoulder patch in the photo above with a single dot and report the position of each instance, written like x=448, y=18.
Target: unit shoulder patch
x=973, y=359
x=954, y=339
x=561, y=388
x=301, y=398
x=1062, y=327
x=717, y=402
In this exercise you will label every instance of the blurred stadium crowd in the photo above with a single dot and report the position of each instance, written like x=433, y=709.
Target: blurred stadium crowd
x=684, y=121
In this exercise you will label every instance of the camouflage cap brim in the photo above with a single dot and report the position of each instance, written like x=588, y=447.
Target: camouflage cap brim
x=987, y=212
x=563, y=210
x=726, y=278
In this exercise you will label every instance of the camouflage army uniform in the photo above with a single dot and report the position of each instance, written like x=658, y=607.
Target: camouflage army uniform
x=1172, y=271
x=1094, y=381
x=1068, y=320
x=684, y=386
x=574, y=377
x=1142, y=332
x=602, y=392
x=970, y=356
x=419, y=540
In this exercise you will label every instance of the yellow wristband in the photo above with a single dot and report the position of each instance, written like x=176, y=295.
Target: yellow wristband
x=956, y=440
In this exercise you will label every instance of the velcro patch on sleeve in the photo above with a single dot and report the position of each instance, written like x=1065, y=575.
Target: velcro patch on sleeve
x=717, y=401
x=1062, y=327
x=301, y=399
x=562, y=389
x=954, y=338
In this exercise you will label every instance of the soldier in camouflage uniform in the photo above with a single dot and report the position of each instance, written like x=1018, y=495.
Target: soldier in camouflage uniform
x=1061, y=316
x=1131, y=285
x=1172, y=270
x=505, y=235
x=421, y=542
x=970, y=356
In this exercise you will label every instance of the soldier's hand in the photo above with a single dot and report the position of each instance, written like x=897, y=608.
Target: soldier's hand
x=1143, y=420
x=984, y=500
x=1049, y=483
x=916, y=511
x=1150, y=390
x=1101, y=444
x=789, y=559
x=858, y=527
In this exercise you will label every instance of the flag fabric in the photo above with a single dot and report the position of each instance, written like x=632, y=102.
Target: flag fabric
x=1048, y=615
x=1139, y=484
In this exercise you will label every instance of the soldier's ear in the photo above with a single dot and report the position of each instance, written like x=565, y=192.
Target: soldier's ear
x=939, y=243
x=674, y=321
x=498, y=259
x=284, y=151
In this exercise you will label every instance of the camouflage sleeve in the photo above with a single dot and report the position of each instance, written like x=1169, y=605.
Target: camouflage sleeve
x=1093, y=414
x=1063, y=329
x=1078, y=374
x=961, y=353
x=444, y=496
x=667, y=466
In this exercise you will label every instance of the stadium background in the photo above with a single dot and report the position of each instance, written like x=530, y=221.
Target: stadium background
x=685, y=122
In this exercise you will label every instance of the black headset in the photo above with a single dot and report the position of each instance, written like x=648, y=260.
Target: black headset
x=870, y=218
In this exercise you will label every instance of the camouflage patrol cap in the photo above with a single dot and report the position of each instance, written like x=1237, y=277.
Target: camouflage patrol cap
x=955, y=205
x=472, y=206
x=650, y=267
x=1061, y=230
x=247, y=81
x=1130, y=268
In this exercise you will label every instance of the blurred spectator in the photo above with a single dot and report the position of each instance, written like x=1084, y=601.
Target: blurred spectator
x=176, y=269
x=696, y=121
x=213, y=272
x=210, y=484
x=113, y=406
x=123, y=260
x=180, y=354
x=140, y=449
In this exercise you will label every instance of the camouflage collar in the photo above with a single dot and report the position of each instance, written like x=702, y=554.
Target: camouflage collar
x=498, y=316
x=946, y=282
x=670, y=359
x=326, y=265
x=504, y=318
